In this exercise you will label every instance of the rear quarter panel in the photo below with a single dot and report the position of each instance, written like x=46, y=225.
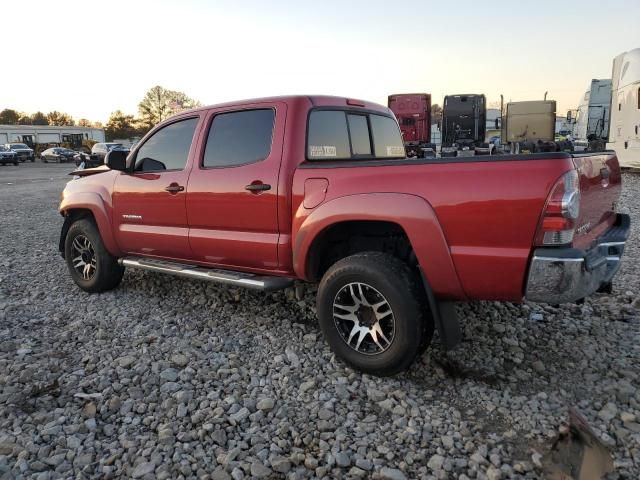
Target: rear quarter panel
x=487, y=212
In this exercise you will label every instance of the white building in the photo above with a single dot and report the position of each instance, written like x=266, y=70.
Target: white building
x=47, y=134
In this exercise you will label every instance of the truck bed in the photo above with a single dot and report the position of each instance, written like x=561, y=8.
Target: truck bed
x=488, y=207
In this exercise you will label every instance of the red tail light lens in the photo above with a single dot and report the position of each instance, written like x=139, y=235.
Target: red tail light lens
x=557, y=226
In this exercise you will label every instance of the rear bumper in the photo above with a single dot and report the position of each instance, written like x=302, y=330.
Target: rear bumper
x=562, y=275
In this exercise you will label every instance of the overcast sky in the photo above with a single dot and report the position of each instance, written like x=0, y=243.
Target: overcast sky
x=89, y=58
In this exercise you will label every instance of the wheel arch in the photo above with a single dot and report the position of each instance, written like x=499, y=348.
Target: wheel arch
x=402, y=215
x=88, y=205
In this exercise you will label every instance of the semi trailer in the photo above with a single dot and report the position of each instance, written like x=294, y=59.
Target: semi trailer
x=591, y=122
x=464, y=119
x=530, y=127
x=413, y=111
x=624, y=131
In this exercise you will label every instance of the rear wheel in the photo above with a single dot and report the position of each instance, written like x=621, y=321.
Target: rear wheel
x=91, y=266
x=371, y=313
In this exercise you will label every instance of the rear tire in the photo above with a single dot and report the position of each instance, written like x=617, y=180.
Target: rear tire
x=91, y=266
x=371, y=312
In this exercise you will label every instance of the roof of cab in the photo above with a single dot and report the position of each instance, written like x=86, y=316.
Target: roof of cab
x=313, y=101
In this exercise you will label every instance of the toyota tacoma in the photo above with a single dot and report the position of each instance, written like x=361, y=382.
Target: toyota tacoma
x=263, y=192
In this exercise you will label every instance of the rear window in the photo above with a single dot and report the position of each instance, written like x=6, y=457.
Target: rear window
x=359, y=130
x=387, y=142
x=344, y=135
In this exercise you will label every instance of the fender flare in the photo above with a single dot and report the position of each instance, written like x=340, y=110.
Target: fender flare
x=412, y=213
x=95, y=204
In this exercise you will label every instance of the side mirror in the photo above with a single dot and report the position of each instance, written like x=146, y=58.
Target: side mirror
x=439, y=125
x=116, y=160
x=569, y=116
x=497, y=124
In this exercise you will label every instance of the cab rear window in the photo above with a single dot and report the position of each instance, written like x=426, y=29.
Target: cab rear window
x=346, y=135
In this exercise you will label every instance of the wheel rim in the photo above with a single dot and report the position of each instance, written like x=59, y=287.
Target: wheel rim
x=364, y=319
x=83, y=257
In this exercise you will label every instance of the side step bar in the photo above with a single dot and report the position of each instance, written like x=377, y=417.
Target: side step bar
x=228, y=277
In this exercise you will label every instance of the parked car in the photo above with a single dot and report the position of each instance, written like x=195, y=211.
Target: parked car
x=100, y=150
x=57, y=154
x=89, y=160
x=259, y=193
x=8, y=156
x=23, y=151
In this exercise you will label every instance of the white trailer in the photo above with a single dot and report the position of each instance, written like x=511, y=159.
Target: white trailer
x=591, y=127
x=624, y=130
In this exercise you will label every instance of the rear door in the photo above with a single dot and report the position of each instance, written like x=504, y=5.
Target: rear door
x=149, y=209
x=233, y=189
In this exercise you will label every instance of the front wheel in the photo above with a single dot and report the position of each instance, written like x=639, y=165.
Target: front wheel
x=371, y=312
x=91, y=266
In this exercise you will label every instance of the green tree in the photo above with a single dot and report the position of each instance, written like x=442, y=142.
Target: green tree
x=39, y=118
x=120, y=126
x=160, y=103
x=25, y=119
x=9, y=117
x=59, y=119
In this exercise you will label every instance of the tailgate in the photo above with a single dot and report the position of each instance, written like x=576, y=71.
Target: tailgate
x=600, y=186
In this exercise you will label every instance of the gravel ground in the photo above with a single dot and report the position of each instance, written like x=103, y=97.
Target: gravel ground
x=170, y=378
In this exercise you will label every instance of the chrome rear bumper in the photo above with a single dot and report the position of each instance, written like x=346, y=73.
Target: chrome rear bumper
x=562, y=275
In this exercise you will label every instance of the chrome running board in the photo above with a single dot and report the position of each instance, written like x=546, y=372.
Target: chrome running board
x=227, y=277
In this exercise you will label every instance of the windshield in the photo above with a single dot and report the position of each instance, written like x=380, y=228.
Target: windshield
x=3, y=149
x=18, y=145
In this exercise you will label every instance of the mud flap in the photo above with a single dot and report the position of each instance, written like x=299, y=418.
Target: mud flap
x=445, y=318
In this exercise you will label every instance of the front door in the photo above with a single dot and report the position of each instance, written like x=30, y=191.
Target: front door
x=149, y=209
x=233, y=191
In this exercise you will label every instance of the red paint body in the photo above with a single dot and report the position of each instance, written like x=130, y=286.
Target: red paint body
x=471, y=224
x=413, y=111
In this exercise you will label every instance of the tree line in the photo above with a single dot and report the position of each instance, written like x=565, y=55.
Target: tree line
x=157, y=104
x=8, y=116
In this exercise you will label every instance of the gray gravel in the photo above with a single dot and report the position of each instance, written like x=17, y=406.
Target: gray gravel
x=170, y=378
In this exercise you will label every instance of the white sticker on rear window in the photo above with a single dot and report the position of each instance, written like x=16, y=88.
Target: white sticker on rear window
x=323, y=151
x=395, y=151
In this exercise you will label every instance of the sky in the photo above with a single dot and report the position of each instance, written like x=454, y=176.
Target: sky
x=91, y=57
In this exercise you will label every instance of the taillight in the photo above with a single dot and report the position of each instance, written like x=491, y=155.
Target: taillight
x=561, y=211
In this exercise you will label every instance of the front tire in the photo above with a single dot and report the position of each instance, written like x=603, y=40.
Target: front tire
x=91, y=266
x=371, y=312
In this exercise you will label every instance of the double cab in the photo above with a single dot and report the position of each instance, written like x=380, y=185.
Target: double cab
x=263, y=192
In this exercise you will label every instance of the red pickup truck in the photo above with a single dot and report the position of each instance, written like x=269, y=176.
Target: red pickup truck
x=261, y=192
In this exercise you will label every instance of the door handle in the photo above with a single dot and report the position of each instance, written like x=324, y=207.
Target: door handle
x=258, y=187
x=174, y=188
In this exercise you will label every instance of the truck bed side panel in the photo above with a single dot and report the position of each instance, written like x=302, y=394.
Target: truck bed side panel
x=488, y=210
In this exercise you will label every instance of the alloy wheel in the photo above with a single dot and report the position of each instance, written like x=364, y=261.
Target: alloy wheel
x=83, y=257
x=364, y=319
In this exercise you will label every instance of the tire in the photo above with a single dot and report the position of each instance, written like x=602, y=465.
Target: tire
x=373, y=277
x=83, y=239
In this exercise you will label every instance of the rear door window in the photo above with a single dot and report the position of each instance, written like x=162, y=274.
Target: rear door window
x=239, y=138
